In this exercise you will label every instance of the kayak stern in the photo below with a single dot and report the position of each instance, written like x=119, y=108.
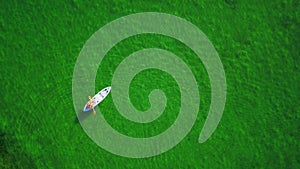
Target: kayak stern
x=86, y=108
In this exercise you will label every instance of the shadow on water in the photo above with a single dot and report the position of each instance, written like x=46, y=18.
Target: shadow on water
x=82, y=116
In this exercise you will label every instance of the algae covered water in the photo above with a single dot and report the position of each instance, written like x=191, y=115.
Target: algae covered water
x=257, y=42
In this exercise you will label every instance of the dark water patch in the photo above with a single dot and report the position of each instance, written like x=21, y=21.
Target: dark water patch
x=231, y=3
x=2, y=143
x=75, y=4
x=2, y=25
x=11, y=153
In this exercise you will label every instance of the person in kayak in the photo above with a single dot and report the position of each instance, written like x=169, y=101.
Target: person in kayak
x=90, y=104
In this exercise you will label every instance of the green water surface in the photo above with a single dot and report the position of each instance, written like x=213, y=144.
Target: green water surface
x=258, y=44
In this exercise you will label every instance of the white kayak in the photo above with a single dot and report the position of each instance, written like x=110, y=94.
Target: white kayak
x=98, y=98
